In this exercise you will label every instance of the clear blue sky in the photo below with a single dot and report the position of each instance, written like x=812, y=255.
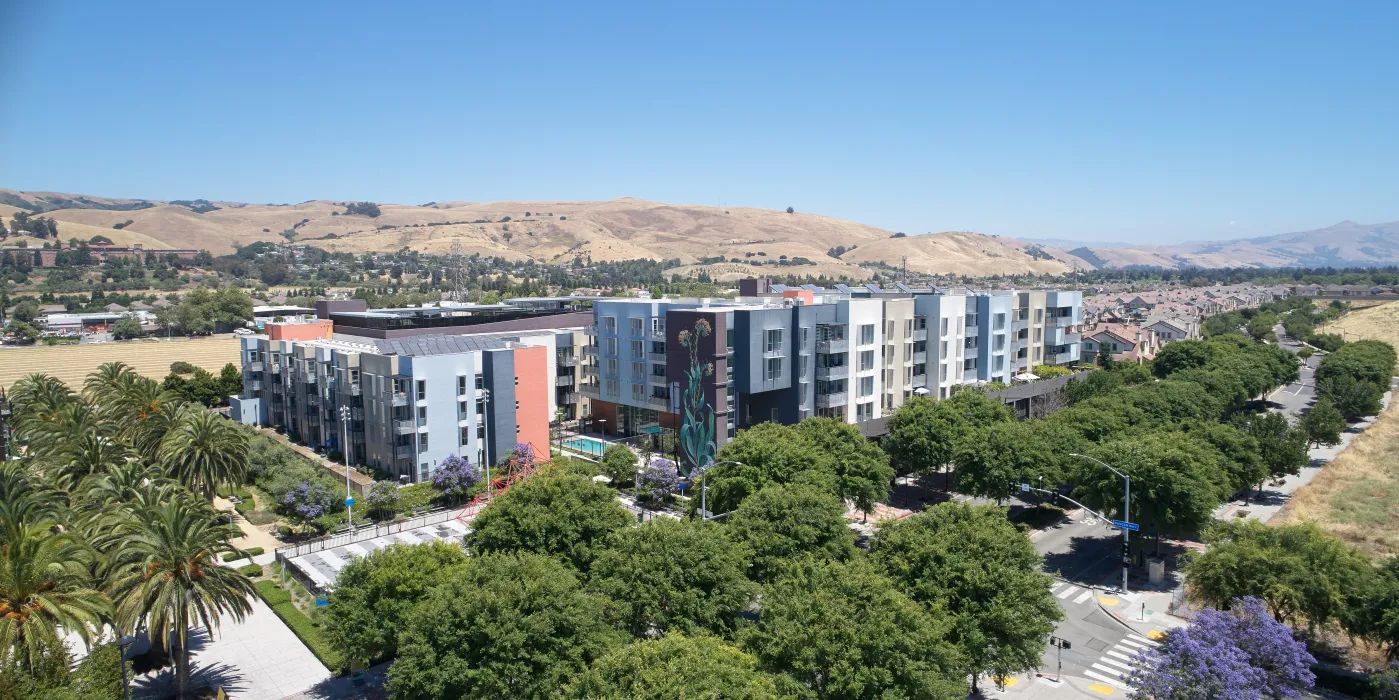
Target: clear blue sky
x=1129, y=121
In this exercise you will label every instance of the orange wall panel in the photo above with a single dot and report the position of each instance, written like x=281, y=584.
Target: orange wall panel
x=532, y=391
x=319, y=330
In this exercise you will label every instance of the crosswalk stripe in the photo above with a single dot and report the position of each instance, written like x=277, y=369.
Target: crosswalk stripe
x=1113, y=662
x=1120, y=655
x=1056, y=587
x=1068, y=592
x=1082, y=597
x=1143, y=640
x=1110, y=681
x=1136, y=644
x=1109, y=669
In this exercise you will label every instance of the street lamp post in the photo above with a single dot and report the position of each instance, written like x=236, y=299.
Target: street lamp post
x=704, y=487
x=486, y=437
x=1126, y=514
x=123, y=644
x=345, y=452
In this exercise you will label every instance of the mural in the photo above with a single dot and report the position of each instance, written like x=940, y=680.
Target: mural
x=697, y=427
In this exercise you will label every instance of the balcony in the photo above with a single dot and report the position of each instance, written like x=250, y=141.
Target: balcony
x=590, y=370
x=563, y=380
x=309, y=379
x=312, y=401
x=255, y=367
x=590, y=350
x=591, y=391
x=920, y=357
x=658, y=402
x=920, y=334
x=404, y=427
x=399, y=398
x=355, y=389
x=1063, y=321
x=839, y=398
x=569, y=398
x=276, y=368
x=566, y=360
x=656, y=334
x=255, y=385
x=657, y=357
x=828, y=372
x=832, y=345
x=656, y=380
x=590, y=330
x=403, y=452
x=970, y=352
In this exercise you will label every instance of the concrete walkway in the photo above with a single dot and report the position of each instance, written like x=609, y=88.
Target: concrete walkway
x=253, y=536
x=256, y=659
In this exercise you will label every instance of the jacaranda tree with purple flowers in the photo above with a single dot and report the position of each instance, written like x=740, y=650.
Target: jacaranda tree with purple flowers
x=455, y=477
x=308, y=502
x=659, y=482
x=1242, y=654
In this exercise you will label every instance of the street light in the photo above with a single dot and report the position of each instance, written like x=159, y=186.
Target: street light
x=345, y=451
x=1126, y=514
x=123, y=644
x=485, y=396
x=704, y=487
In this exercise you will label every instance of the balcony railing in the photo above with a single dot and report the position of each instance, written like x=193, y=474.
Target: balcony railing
x=828, y=400
x=567, y=361
x=833, y=345
x=656, y=334
x=563, y=380
x=255, y=366
x=276, y=368
x=399, y=398
x=657, y=357
x=590, y=370
x=355, y=389
x=919, y=357
x=590, y=329
x=656, y=379
x=255, y=385
x=312, y=400
x=591, y=391
x=920, y=334
x=828, y=372
x=403, y=452
x=569, y=398
x=1064, y=321
x=404, y=427
x=971, y=353
x=660, y=402
x=590, y=350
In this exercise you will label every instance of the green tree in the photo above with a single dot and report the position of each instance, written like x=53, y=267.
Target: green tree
x=126, y=328
x=1104, y=356
x=1324, y=423
x=994, y=462
x=765, y=454
x=1238, y=452
x=618, y=463
x=230, y=382
x=669, y=575
x=784, y=523
x=167, y=576
x=1176, y=484
x=560, y=515
x=973, y=564
x=863, y=474
x=504, y=626
x=924, y=433
x=26, y=311
x=1354, y=398
x=374, y=595
x=24, y=333
x=1300, y=571
x=1181, y=355
x=44, y=586
x=841, y=630
x=1260, y=327
x=1282, y=447
x=675, y=666
x=383, y=499
x=1372, y=610
x=205, y=450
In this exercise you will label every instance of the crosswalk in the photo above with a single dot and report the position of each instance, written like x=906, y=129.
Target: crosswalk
x=1116, y=664
x=1071, y=594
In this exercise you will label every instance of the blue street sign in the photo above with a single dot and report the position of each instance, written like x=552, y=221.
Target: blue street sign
x=1125, y=526
x=349, y=502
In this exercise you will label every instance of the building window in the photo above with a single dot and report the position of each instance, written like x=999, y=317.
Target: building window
x=609, y=346
x=864, y=411
x=774, y=415
x=638, y=348
x=422, y=442
x=462, y=413
x=867, y=334
x=461, y=385
x=774, y=369
x=635, y=327
x=638, y=371
x=613, y=388
x=638, y=392
x=609, y=325
x=658, y=326
x=612, y=367
x=806, y=337
x=866, y=360
x=773, y=340
x=480, y=382
x=1000, y=322
x=1039, y=315
x=998, y=363
x=422, y=390
x=908, y=326
x=866, y=386
x=998, y=343
x=465, y=436
x=1038, y=334
x=942, y=372
x=944, y=328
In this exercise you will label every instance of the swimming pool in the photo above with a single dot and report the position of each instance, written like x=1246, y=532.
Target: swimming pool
x=586, y=445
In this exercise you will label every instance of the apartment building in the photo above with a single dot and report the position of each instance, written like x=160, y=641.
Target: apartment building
x=403, y=405
x=852, y=353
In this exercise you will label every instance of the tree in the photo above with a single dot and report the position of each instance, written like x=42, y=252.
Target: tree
x=1282, y=447
x=1300, y=571
x=784, y=523
x=559, y=515
x=167, y=576
x=1365, y=360
x=1372, y=610
x=669, y=575
x=455, y=477
x=1238, y=654
x=675, y=666
x=863, y=474
x=972, y=564
x=619, y=464
x=1260, y=327
x=765, y=454
x=1104, y=356
x=1176, y=484
x=128, y=327
x=230, y=381
x=841, y=630
x=374, y=595
x=308, y=502
x=503, y=626
x=24, y=334
x=790, y=210
x=925, y=432
x=26, y=311
x=383, y=498
x=658, y=483
x=44, y=587
x=1237, y=450
x=1001, y=457
x=203, y=450
x=1354, y=398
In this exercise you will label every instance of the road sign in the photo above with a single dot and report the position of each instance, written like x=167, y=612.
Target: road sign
x=1024, y=487
x=349, y=502
x=1125, y=526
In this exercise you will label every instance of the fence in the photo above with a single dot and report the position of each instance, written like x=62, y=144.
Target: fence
x=365, y=533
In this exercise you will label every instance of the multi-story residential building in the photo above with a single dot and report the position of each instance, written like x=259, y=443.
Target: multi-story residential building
x=403, y=405
x=853, y=353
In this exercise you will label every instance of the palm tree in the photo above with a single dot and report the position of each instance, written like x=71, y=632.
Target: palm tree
x=107, y=381
x=44, y=587
x=87, y=455
x=25, y=498
x=203, y=450
x=36, y=399
x=166, y=575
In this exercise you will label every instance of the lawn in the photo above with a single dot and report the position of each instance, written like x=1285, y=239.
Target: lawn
x=152, y=358
x=1356, y=496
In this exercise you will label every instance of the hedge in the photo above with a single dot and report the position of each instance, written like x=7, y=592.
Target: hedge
x=310, y=635
x=242, y=554
x=251, y=570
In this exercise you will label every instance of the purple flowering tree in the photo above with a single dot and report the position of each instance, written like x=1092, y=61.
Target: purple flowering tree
x=307, y=502
x=1385, y=686
x=659, y=482
x=455, y=478
x=1243, y=654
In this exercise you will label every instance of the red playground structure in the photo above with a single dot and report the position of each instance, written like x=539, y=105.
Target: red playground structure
x=520, y=464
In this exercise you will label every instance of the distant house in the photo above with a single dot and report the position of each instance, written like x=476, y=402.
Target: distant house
x=1126, y=343
x=1168, y=329
x=115, y=308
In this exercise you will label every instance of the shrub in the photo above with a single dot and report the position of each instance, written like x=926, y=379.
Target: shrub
x=619, y=464
x=181, y=367
x=1304, y=353
x=253, y=551
x=251, y=570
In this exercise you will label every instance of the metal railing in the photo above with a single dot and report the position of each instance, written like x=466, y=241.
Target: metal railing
x=404, y=427
x=403, y=452
x=563, y=380
x=833, y=345
x=569, y=398
x=365, y=533
x=566, y=360
x=658, y=357
x=255, y=366
x=399, y=398
x=828, y=400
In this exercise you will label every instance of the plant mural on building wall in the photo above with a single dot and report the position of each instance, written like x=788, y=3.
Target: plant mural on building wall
x=697, y=429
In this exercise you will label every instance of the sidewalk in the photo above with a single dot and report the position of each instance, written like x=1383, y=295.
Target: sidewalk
x=253, y=536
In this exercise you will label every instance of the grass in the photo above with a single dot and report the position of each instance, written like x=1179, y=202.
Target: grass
x=281, y=603
x=1356, y=497
x=72, y=363
x=1380, y=322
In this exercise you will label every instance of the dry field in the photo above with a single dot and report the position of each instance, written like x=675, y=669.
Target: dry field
x=72, y=363
x=1379, y=322
x=1356, y=497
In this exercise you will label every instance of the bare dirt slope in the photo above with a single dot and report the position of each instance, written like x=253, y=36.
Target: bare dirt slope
x=958, y=253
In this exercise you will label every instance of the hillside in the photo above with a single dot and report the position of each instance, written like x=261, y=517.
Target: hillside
x=1342, y=245
x=958, y=253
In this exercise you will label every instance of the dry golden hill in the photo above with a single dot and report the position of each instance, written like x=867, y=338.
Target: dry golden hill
x=957, y=253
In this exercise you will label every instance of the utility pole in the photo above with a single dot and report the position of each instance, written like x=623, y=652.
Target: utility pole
x=1126, y=517
x=345, y=452
x=486, y=437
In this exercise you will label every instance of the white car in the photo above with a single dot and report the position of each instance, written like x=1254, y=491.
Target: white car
x=242, y=331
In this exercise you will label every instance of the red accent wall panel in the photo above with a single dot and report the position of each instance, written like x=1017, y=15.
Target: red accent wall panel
x=532, y=391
